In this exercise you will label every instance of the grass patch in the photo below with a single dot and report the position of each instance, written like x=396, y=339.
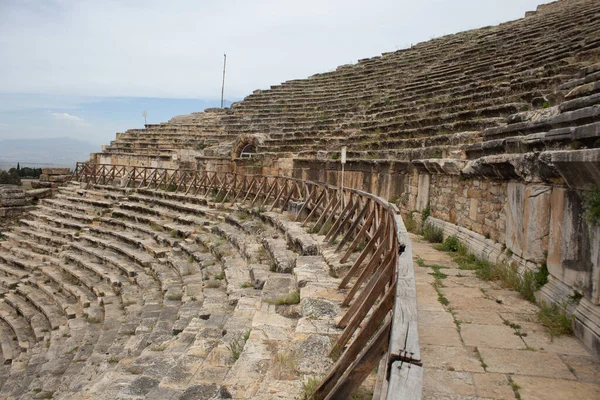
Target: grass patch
x=327, y=227
x=433, y=234
x=309, y=387
x=285, y=362
x=246, y=285
x=480, y=358
x=451, y=244
x=441, y=297
x=425, y=214
x=220, y=276
x=242, y=215
x=410, y=223
x=555, y=319
x=237, y=345
x=591, y=205
x=288, y=299
x=513, y=384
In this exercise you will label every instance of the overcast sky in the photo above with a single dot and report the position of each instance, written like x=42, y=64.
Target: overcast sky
x=86, y=69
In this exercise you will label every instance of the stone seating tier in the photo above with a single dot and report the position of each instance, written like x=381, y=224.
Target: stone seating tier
x=115, y=284
x=470, y=81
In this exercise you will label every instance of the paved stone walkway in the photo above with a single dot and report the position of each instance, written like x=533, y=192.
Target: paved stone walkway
x=487, y=343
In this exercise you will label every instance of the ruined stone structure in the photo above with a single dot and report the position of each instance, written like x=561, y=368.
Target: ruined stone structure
x=494, y=131
x=494, y=134
x=54, y=177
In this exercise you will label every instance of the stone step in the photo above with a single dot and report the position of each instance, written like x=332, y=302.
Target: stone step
x=39, y=324
x=18, y=325
x=53, y=313
x=569, y=118
x=57, y=297
x=84, y=298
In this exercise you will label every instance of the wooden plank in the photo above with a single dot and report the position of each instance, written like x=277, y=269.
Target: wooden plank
x=273, y=186
x=252, y=182
x=354, y=269
x=288, y=197
x=323, y=215
x=380, y=388
x=308, y=198
x=405, y=333
x=330, y=215
x=283, y=188
x=199, y=185
x=382, y=309
x=231, y=187
x=320, y=198
x=259, y=191
x=240, y=190
x=362, y=366
x=360, y=236
x=406, y=381
x=354, y=225
x=369, y=270
x=374, y=288
x=346, y=359
x=346, y=210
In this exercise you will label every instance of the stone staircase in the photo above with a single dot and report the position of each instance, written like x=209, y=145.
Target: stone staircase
x=117, y=293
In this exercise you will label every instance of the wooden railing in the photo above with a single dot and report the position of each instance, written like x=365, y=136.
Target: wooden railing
x=380, y=323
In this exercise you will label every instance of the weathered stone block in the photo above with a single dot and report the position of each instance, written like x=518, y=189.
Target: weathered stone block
x=574, y=245
x=423, y=192
x=56, y=171
x=527, y=224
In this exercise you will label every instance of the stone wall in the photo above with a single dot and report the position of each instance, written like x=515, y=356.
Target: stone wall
x=528, y=220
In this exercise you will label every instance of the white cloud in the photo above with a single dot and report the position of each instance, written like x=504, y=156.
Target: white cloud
x=175, y=49
x=69, y=119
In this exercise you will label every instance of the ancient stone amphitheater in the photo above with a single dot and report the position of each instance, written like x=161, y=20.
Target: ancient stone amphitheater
x=217, y=255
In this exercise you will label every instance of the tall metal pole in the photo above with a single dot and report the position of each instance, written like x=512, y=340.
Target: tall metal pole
x=343, y=160
x=223, y=86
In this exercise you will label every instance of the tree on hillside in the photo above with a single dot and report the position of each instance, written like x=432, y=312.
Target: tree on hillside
x=11, y=177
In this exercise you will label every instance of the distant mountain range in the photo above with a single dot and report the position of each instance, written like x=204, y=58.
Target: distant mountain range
x=59, y=152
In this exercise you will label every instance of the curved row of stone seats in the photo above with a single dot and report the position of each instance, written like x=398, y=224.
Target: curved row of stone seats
x=64, y=222
x=236, y=325
x=573, y=124
x=463, y=85
x=466, y=82
x=164, y=141
x=154, y=345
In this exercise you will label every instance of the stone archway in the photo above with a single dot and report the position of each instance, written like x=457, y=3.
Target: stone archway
x=246, y=146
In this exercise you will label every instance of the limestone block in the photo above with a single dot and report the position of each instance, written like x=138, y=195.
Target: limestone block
x=58, y=178
x=579, y=169
x=536, y=222
x=423, y=192
x=574, y=245
x=56, y=171
x=527, y=220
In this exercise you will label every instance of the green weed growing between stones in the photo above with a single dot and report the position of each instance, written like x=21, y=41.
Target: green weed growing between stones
x=433, y=234
x=309, y=387
x=288, y=299
x=591, y=204
x=555, y=319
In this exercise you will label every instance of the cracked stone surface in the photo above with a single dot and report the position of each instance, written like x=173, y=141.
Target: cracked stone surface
x=470, y=350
